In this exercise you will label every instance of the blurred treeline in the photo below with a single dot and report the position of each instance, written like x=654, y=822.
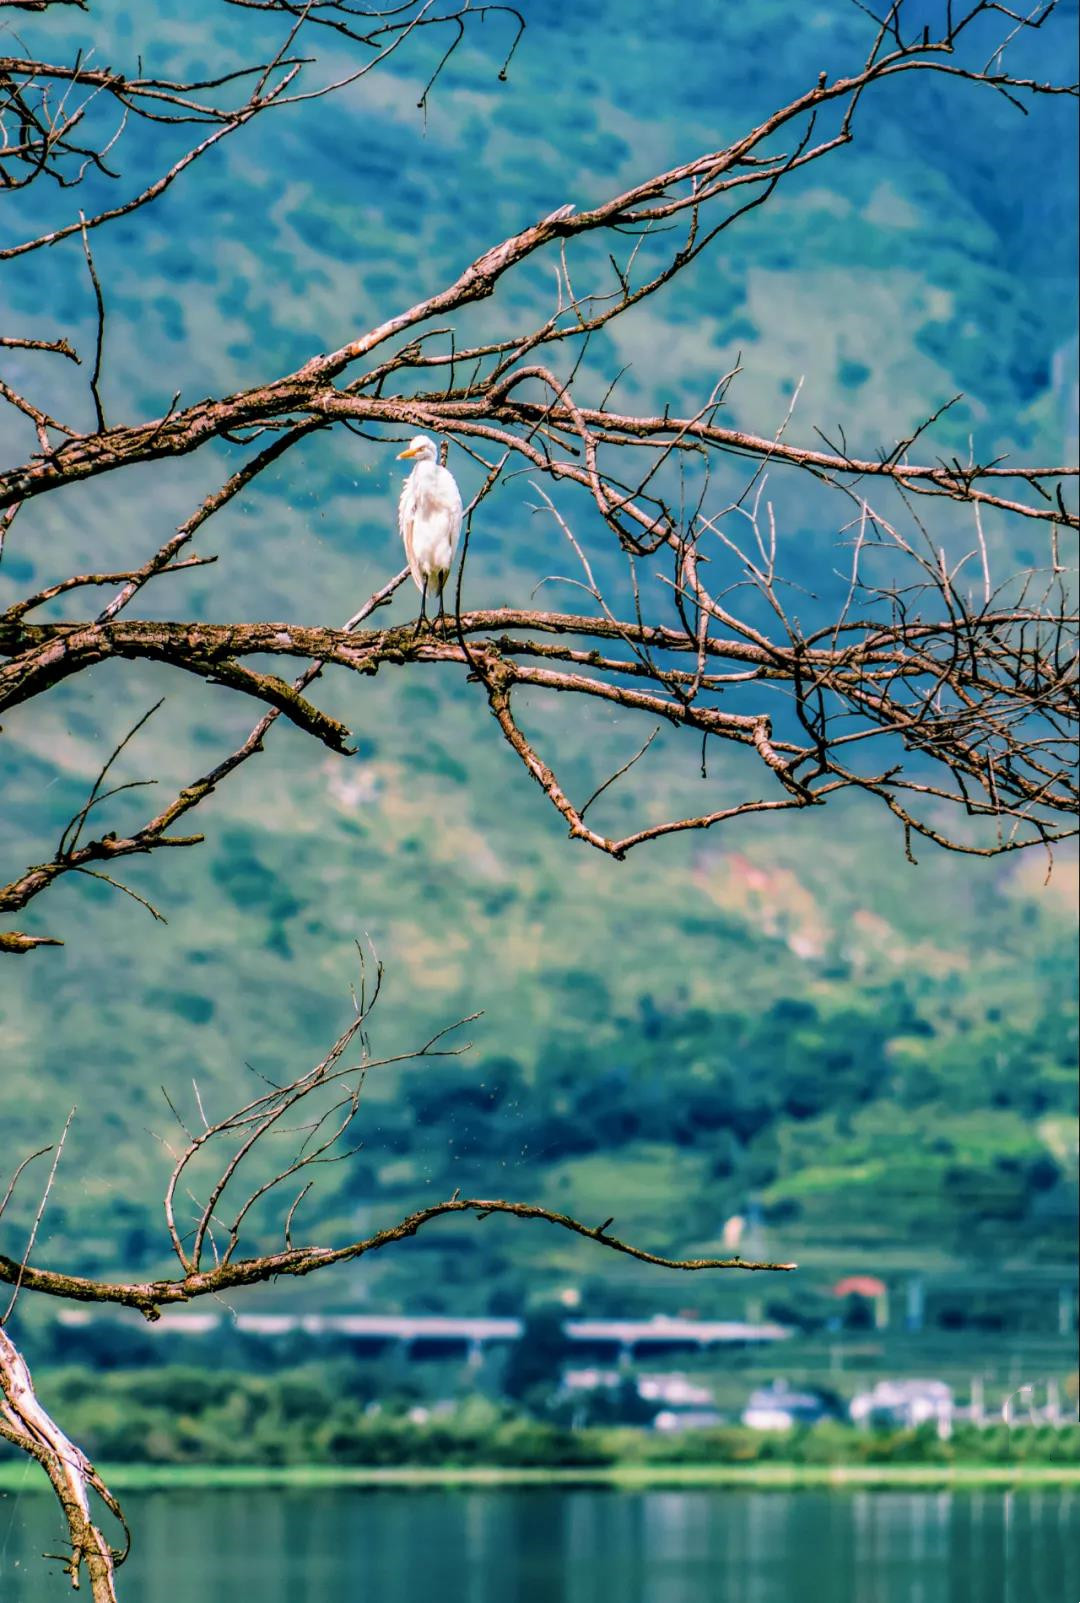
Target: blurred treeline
x=184, y=1415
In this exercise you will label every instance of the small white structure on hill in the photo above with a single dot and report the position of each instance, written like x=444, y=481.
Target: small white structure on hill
x=906, y=1403
x=686, y=1405
x=778, y=1407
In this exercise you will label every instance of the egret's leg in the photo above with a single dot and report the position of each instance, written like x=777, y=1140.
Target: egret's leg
x=442, y=598
x=423, y=618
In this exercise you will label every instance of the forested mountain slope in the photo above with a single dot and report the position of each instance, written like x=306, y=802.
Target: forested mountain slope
x=788, y=1021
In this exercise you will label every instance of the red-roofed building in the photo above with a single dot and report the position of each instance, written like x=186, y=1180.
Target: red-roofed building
x=871, y=1289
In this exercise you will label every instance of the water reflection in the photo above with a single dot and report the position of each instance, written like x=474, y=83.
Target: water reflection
x=573, y=1546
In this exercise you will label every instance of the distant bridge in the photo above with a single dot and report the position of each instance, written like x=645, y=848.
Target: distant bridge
x=435, y=1336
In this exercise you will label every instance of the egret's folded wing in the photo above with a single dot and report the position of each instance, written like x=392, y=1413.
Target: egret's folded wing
x=406, y=516
x=454, y=511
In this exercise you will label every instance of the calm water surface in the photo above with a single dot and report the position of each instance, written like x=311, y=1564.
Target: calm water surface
x=572, y=1546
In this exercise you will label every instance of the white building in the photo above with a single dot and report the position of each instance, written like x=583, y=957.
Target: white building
x=670, y=1419
x=675, y=1391
x=778, y=1407
x=906, y=1403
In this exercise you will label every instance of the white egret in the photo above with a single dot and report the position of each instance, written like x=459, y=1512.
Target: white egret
x=429, y=520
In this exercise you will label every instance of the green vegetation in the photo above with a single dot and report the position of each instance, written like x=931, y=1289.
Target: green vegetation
x=624, y=1475
x=870, y=1062
x=887, y=1100
x=306, y=1417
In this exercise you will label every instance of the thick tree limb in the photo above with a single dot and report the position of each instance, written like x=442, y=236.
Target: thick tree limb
x=26, y=1425
x=1006, y=728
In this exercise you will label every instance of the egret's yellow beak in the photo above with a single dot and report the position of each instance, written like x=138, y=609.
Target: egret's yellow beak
x=403, y=454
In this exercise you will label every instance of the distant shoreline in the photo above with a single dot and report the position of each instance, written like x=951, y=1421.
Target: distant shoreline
x=14, y=1477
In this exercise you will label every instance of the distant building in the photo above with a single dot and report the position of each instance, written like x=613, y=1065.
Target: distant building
x=670, y=1419
x=733, y=1231
x=443, y=1336
x=686, y=1406
x=630, y=1340
x=778, y=1407
x=586, y=1380
x=869, y=1291
x=675, y=1391
x=680, y=1404
x=906, y=1404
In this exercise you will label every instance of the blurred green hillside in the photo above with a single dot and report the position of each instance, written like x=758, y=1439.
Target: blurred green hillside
x=872, y=1063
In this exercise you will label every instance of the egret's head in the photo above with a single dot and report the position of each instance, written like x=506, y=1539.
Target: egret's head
x=421, y=449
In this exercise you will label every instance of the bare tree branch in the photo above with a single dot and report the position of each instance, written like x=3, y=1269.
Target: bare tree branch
x=26, y=1425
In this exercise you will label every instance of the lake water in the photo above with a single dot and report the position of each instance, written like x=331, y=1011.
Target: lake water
x=573, y=1546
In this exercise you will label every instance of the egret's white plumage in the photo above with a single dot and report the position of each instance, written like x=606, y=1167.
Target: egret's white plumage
x=429, y=518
